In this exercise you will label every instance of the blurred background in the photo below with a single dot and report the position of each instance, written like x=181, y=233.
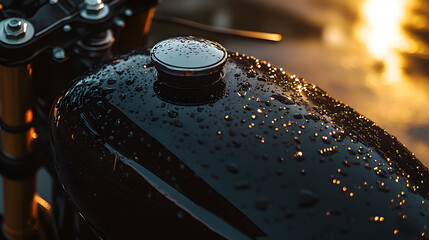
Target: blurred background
x=371, y=54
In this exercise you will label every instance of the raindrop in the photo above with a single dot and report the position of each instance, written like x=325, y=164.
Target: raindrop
x=139, y=88
x=111, y=81
x=232, y=168
x=241, y=185
x=177, y=123
x=312, y=117
x=108, y=90
x=262, y=203
x=242, y=92
x=172, y=114
x=380, y=172
x=283, y=99
x=326, y=140
x=122, y=96
x=232, y=133
x=307, y=198
x=297, y=116
x=299, y=156
x=346, y=163
x=129, y=81
x=117, y=122
x=381, y=186
x=288, y=214
x=251, y=73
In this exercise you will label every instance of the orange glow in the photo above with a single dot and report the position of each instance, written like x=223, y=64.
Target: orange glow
x=114, y=164
x=33, y=133
x=42, y=202
x=382, y=34
x=30, y=69
x=28, y=116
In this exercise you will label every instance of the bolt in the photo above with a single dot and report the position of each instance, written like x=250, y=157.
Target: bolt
x=14, y=24
x=94, y=7
x=94, y=10
x=58, y=53
x=15, y=29
x=67, y=28
x=119, y=22
x=128, y=12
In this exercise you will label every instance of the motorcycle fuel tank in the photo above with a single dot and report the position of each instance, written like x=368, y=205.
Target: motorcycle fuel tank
x=190, y=141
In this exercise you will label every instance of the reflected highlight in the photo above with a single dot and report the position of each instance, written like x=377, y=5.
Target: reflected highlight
x=382, y=33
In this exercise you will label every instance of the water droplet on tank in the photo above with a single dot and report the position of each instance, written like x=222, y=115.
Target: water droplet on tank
x=232, y=168
x=177, y=123
x=139, y=88
x=172, y=114
x=307, y=198
x=111, y=81
x=122, y=96
x=242, y=185
x=381, y=186
x=262, y=203
x=326, y=140
x=282, y=99
x=297, y=116
x=299, y=156
x=130, y=81
x=312, y=117
x=380, y=172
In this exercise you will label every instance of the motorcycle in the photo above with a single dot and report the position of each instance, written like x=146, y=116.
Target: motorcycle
x=184, y=139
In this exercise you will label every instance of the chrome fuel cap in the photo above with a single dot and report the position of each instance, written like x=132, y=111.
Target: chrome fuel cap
x=188, y=56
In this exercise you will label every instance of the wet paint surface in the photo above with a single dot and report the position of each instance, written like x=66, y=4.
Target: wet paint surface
x=272, y=155
x=371, y=59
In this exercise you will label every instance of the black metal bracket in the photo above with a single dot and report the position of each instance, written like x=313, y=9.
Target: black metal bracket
x=49, y=21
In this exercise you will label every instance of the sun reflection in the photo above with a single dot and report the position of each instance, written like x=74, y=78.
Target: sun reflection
x=393, y=32
x=382, y=33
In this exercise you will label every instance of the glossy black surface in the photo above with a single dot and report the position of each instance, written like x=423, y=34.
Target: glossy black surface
x=275, y=157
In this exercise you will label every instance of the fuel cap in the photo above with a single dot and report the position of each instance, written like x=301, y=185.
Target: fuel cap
x=188, y=57
x=189, y=70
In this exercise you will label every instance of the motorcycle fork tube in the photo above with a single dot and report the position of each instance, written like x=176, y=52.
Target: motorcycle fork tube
x=20, y=208
x=135, y=33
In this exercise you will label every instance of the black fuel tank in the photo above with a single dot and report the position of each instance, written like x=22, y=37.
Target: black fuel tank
x=155, y=146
